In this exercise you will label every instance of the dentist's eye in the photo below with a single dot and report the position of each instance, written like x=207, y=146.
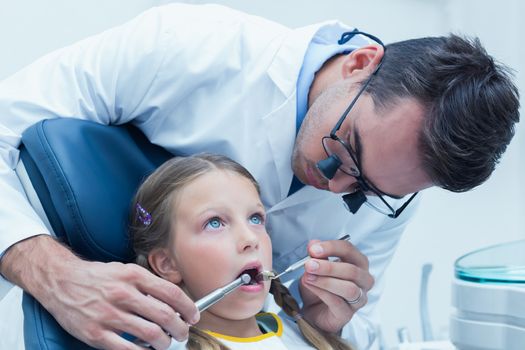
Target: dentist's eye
x=214, y=223
x=257, y=219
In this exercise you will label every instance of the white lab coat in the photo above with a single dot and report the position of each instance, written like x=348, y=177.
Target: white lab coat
x=194, y=79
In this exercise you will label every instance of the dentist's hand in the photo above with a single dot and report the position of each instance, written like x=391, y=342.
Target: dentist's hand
x=333, y=291
x=96, y=302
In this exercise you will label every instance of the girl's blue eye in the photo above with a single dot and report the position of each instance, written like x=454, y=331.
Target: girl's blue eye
x=214, y=223
x=256, y=219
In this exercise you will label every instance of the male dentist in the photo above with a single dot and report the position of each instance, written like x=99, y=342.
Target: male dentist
x=323, y=116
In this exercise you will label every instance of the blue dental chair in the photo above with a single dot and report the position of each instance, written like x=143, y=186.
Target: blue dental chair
x=84, y=175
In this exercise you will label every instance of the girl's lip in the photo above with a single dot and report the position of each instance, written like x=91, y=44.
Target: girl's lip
x=252, y=288
x=257, y=265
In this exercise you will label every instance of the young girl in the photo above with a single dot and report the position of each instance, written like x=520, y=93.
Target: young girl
x=199, y=222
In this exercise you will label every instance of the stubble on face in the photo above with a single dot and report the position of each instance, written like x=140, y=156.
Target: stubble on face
x=320, y=118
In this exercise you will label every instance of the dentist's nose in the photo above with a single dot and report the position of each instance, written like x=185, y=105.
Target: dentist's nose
x=342, y=182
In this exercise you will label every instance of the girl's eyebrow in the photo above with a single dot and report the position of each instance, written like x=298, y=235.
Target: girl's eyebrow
x=260, y=205
x=218, y=209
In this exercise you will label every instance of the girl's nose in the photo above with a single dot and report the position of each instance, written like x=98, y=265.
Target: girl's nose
x=248, y=240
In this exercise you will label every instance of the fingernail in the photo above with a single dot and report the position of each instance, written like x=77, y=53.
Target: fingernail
x=195, y=319
x=311, y=278
x=312, y=265
x=316, y=249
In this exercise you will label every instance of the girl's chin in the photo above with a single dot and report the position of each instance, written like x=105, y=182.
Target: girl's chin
x=240, y=310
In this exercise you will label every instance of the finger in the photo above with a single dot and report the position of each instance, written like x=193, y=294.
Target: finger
x=168, y=293
x=340, y=270
x=336, y=305
x=162, y=315
x=341, y=289
x=143, y=329
x=344, y=250
x=111, y=340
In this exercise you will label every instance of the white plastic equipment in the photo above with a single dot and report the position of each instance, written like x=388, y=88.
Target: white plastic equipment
x=488, y=296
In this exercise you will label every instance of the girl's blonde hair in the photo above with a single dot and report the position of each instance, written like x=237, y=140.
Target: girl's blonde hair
x=156, y=195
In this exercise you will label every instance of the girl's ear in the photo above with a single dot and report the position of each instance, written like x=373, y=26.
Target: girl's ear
x=164, y=265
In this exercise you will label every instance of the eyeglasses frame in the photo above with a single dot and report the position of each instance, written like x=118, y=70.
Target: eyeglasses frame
x=364, y=184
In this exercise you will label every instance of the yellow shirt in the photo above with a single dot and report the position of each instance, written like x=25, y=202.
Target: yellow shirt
x=281, y=334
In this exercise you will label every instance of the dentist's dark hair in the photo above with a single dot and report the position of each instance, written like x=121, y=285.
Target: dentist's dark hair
x=150, y=229
x=471, y=105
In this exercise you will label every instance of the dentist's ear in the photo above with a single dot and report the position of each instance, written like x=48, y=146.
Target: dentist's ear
x=364, y=59
x=164, y=265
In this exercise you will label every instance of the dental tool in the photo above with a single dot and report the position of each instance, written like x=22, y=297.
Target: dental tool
x=219, y=293
x=270, y=275
x=212, y=298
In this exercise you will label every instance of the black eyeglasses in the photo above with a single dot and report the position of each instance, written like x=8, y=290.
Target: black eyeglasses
x=341, y=156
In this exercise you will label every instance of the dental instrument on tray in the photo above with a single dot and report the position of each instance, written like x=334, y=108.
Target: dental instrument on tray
x=219, y=293
x=270, y=275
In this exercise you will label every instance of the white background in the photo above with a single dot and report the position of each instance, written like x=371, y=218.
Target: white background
x=446, y=226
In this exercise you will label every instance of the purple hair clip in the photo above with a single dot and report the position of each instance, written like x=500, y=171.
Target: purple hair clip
x=143, y=215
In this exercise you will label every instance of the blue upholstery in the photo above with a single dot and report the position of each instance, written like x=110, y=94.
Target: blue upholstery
x=85, y=175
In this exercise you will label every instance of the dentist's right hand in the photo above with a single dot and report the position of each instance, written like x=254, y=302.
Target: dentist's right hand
x=96, y=302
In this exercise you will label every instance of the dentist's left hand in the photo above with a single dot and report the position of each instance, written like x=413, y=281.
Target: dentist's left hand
x=327, y=286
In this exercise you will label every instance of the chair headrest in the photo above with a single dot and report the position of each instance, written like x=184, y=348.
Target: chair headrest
x=88, y=175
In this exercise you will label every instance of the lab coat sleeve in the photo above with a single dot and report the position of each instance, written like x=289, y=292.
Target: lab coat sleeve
x=103, y=78
x=379, y=246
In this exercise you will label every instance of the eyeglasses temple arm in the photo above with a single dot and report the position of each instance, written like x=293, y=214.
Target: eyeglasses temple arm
x=347, y=110
x=400, y=210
